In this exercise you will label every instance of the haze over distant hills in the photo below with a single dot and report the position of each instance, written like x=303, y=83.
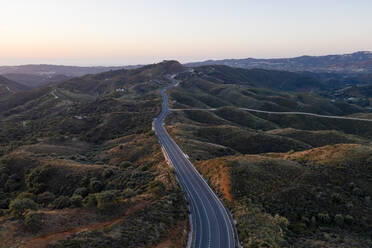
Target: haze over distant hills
x=358, y=62
x=38, y=75
x=44, y=69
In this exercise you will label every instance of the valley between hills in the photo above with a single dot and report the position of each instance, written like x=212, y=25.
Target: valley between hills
x=80, y=163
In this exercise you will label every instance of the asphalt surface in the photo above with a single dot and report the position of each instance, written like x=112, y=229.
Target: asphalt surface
x=211, y=224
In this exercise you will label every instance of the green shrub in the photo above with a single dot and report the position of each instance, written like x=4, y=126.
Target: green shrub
x=95, y=185
x=107, y=173
x=156, y=187
x=76, y=201
x=84, y=181
x=349, y=219
x=336, y=198
x=62, y=202
x=298, y=227
x=106, y=200
x=4, y=203
x=90, y=200
x=12, y=184
x=3, y=178
x=45, y=198
x=324, y=218
x=125, y=164
x=26, y=195
x=18, y=207
x=81, y=191
x=339, y=219
x=36, y=179
x=33, y=221
x=357, y=191
x=127, y=193
x=282, y=221
x=313, y=221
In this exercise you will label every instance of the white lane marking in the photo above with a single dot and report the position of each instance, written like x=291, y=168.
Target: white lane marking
x=168, y=139
x=219, y=203
x=164, y=142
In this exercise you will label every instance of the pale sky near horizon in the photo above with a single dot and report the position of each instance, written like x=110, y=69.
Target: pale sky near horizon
x=120, y=32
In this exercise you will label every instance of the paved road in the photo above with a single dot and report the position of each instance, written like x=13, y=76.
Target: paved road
x=282, y=113
x=211, y=223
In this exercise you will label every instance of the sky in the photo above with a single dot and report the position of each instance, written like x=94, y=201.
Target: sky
x=123, y=32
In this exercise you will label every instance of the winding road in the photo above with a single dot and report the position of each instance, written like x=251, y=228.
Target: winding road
x=211, y=224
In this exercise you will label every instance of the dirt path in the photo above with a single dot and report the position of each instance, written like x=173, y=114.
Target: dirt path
x=43, y=241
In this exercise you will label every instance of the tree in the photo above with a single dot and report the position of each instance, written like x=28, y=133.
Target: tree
x=62, y=202
x=18, y=207
x=76, y=201
x=106, y=200
x=45, y=198
x=81, y=191
x=27, y=195
x=95, y=185
x=36, y=179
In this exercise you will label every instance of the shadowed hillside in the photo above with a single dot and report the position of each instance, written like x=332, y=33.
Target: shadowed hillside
x=79, y=163
x=8, y=87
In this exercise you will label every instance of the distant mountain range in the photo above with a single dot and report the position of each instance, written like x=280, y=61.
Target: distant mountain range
x=71, y=71
x=359, y=62
x=38, y=75
x=355, y=63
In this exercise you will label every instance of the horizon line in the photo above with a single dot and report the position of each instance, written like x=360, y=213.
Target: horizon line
x=184, y=63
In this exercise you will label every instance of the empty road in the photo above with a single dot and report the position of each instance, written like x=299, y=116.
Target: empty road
x=211, y=224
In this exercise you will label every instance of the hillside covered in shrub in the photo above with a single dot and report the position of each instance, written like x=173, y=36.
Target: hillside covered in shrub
x=79, y=164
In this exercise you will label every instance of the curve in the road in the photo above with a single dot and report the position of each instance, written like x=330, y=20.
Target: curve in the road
x=212, y=225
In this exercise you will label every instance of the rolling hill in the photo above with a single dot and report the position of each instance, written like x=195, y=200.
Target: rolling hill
x=315, y=198
x=8, y=87
x=290, y=180
x=79, y=164
x=34, y=80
